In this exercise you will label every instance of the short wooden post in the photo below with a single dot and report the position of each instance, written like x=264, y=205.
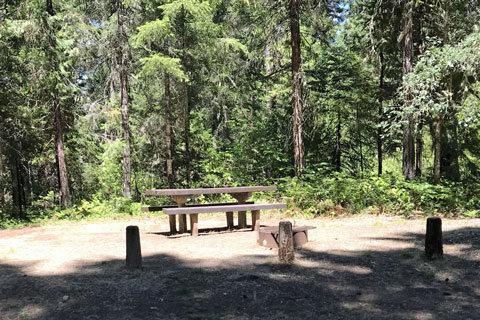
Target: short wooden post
x=433, y=238
x=134, y=252
x=285, y=242
x=194, y=224
x=230, y=224
x=255, y=220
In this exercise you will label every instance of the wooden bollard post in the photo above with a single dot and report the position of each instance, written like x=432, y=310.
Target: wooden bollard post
x=285, y=242
x=134, y=252
x=433, y=238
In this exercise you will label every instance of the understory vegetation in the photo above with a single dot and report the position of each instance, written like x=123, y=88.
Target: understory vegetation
x=347, y=107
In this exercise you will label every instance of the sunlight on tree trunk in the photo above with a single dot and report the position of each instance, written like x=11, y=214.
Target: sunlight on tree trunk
x=123, y=75
x=408, y=163
x=298, y=147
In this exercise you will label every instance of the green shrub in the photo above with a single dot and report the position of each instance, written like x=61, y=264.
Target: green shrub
x=320, y=193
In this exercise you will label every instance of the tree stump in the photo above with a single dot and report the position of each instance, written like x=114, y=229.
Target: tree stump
x=433, y=238
x=285, y=242
x=134, y=252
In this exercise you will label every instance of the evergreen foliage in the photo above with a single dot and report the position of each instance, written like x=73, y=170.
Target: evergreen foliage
x=204, y=91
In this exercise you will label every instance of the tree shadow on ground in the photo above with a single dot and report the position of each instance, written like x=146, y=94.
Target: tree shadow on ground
x=393, y=284
x=204, y=232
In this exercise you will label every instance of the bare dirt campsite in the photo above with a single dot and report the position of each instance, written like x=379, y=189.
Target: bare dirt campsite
x=361, y=267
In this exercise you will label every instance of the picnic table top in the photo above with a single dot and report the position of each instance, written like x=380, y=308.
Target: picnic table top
x=185, y=192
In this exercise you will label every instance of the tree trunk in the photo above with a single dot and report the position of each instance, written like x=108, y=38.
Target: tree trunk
x=123, y=75
x=58, y=121
x=16, y=189
x=419, y=150
x=380, y=114
x=168, y=132
x=359, y=140
x=449, y=166
x=298, y=147
x=408, y=157
x=437, y=127
x=186, y=97
x=2, y=190
x=419, y=139
x=338, y=149
x=62, y=166
x=187, y=132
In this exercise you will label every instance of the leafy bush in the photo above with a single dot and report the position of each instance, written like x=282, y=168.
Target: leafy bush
x=320, y=193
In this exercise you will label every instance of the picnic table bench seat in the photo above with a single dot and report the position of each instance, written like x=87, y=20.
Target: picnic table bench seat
x=160, y=208
x=193, y=211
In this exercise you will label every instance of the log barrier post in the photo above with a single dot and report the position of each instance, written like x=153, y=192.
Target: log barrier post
x=285, y=242
x=433, y=238
x=134, y=252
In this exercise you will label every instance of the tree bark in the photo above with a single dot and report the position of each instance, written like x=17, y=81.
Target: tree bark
x=419, y=139
x=124, y=101
x=186, y=97
x=58, y=120
x=2, y=190
x=408, y=157
x=419, y=150
x=338, y=146
x=62, y=166
x=168, y=131
x=286, y=253
x=449, y=154
x=437, y=126
x=187, y=132
x=17, y=188
x=380, y=114
x=298, y=147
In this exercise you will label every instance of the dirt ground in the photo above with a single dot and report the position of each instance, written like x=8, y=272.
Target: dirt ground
x=362, y=267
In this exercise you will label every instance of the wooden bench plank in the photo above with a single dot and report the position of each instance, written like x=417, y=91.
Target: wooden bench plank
x=160, y=208
x=228, y=208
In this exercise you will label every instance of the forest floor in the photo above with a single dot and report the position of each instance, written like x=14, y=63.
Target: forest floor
x=361, y=267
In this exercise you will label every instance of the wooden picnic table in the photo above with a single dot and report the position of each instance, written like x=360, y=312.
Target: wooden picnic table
x=181, y=196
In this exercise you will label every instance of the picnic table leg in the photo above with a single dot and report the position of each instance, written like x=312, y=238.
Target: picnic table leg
x=173, y=224
x=242, y=219
x=182, y=219
x=255, y=220
x=230, y=224
x=242, y=215
x=194, y=224
x=182, y=223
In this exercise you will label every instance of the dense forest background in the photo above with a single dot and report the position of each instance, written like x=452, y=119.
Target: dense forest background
x=347, y=106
